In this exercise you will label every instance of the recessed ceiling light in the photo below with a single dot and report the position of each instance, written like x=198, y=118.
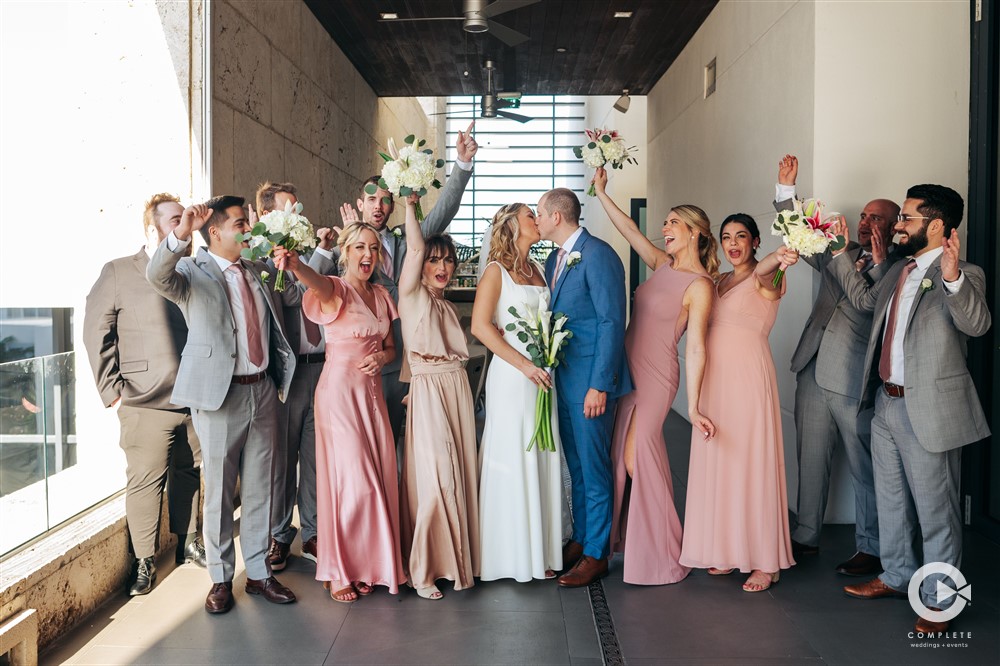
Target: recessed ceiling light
x=388, y=16
x=623, y=14
x=560, y=49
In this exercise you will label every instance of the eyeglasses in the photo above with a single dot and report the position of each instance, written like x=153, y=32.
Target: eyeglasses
x=906, y=218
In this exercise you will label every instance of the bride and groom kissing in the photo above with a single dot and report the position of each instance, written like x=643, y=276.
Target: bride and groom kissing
x=520, y=490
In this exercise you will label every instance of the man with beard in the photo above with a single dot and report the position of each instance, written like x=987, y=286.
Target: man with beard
x=827, y=362
x=926, y=407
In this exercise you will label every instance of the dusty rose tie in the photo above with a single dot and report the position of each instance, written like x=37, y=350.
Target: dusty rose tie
x=312, y=330
x=885, y=358
x=251, y=320
x=559, y=262
x=386, y=266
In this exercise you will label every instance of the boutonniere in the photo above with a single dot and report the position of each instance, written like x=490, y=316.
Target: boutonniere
x=573, y=260
x=926, y=285
x=397, y=232
x=265, y=276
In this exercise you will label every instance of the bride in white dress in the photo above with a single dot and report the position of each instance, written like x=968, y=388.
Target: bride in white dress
x=520, y=491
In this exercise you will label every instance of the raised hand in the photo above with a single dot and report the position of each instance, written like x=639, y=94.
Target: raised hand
x=193, y=218
x=878, y=245
x=285, y=260
x=839, y=228
x=787, y=256
x=349, y=214
x=702, y=424
x=327, y=237
x=600, y=180
x=252, y=216
x=949, y=260
x=466, y=144
x=788, y=170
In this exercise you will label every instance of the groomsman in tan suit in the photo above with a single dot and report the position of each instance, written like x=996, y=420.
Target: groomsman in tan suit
x=134, y=339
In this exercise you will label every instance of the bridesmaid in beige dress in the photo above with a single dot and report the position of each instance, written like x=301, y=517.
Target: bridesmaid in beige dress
x=439, y=514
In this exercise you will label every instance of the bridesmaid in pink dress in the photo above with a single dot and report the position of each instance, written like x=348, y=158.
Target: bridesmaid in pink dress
x=357, y=491
x=737, y=507
x=677, y=297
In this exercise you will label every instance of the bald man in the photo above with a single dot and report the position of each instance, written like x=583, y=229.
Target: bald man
x=828, y=365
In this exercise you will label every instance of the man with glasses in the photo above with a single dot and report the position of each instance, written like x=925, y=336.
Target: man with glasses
x=926, y=405
x=827, y=363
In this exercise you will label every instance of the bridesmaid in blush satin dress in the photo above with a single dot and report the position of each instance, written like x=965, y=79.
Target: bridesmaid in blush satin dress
x=737, y=506
x=676, y=297
x=357, y=490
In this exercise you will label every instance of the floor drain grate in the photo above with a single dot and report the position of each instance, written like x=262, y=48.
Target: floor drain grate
x=611, y=651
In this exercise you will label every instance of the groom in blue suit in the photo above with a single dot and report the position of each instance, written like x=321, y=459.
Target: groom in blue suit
x=587, y=280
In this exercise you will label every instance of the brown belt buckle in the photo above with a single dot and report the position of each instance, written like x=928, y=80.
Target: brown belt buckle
x=893, y=390
x=248, y=379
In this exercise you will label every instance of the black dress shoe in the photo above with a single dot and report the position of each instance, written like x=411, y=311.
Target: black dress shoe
x=145, y=576
x=803, y=549
x=194, y=552
x=220, y=598
x=861, y=564
x=270, y=589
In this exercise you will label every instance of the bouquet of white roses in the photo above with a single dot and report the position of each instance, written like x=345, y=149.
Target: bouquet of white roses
x=286, y=228
x=409, y=170
x=802, y=229
x=546, y=335
x=604, y=147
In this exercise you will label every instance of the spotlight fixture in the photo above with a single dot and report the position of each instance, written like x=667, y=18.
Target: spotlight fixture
x=560, y=49
x=623, y=102
x=623, y=14
x=388, y=16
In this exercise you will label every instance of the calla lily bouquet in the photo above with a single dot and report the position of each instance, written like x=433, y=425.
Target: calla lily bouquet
x=408, y=170
x=286, y=228
x=546, y=334
x=604, y=147
x=802, y=229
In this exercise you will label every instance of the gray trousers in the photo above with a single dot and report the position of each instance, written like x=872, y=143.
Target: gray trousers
x=238, y=440
x=914, y=488
x=297, y=448
x=822, y=418
x=161, y=450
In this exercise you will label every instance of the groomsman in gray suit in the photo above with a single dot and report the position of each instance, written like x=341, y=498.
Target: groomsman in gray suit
x=134, y=338
x=296, y=450
x=236, y=353
x=827, y=363
x=376, y=207
x=926, y=406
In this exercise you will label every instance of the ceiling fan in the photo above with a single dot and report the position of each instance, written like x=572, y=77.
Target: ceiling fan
x=493, y=103
x=476, y=18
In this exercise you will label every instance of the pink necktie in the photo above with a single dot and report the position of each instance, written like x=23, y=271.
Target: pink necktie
x=251, y=320
x=885, y=358
x=559, y=262
x=312, y=331
x=386, y=260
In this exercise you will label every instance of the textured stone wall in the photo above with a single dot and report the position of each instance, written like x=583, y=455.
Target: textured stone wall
x=288, y=105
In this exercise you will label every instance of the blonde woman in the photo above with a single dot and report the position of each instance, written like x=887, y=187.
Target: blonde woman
x=520, y=511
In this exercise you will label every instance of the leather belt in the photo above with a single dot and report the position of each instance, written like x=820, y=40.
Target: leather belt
x=893, y=390
x=249, y=379
x=312, y=358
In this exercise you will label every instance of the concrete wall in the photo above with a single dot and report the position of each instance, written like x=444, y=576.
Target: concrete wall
x=834, y=83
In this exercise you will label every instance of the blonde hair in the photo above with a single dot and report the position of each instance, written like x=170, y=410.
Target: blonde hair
x=149, y=212
x=708, y=249
x=349, y=235
x=504, y=233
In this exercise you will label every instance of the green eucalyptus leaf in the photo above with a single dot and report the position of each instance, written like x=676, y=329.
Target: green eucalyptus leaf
x=510, y=327
x=405, y=191
x=409, y=139
x=606, y=139
x=276, y=237
x=370, y=188
x=578, y=151
x=427, y=151
x=439, y=164
x=387, y=200
x=436, y=184
x=513, y=311
x=247, y=253
x=422, y=192
x=259, y=229
x=591, y=145
x=422, y=143
x=839, y=243
x=382, y=184
x=522, y=336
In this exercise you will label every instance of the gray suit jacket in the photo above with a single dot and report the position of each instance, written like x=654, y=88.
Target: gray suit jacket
x=198, y=287
x=836, y=332
x=940, y=398
x=133, y=336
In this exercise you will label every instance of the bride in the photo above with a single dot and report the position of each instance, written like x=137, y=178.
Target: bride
x=520, y=491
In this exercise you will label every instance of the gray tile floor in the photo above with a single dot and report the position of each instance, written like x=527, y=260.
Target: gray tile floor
x=805, y=619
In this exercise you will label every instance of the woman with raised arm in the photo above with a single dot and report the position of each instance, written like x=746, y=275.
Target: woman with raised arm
x=357, y=495
x=737, y=506
x=440, y=504
x=676, y=298
x=520, y=491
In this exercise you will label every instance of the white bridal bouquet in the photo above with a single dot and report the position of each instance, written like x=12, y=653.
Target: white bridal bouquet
x=604, y=147
x=803, y=230
x=286, y=228
x=409, y=170
x=546, y=335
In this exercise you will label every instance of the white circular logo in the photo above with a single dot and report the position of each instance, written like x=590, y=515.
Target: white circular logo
x=961, y=589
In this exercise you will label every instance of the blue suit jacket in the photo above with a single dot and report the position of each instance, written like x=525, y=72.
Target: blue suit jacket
x=591, y=294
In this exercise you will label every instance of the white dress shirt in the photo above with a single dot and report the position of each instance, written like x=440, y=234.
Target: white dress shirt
x=568, y=247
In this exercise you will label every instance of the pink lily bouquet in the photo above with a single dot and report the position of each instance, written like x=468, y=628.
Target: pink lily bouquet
x=286, y=228
x=546, y=334
x=408, y=170
x=604, y=147
x=802, y=229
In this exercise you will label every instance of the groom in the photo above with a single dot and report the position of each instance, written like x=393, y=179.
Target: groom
x=587, y=280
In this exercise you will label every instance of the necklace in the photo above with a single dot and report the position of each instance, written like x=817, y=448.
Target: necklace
x=531, y=272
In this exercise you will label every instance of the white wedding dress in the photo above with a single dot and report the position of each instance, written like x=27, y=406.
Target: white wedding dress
x=520, y=491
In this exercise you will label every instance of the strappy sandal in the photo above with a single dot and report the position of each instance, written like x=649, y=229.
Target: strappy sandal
x=712, y=571
x=549, y=574
x=772, y=579
x=432, y=593
x=362, y=588
x=342, y=595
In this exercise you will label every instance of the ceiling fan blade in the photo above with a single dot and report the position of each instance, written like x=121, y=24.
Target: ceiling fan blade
x=514, y=116
x=423, y=18
x=503, y=6
x=508, y=36
x=449, y=113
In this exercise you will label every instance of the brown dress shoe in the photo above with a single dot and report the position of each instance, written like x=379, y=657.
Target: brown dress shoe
x=309, y=549
x=802, y=549
x=277, y=554
x=873, y=589
x=586, y=571
x=861, y=564
x=271, y=590
x=572, y=552
x=220, y=598
x=928, y=627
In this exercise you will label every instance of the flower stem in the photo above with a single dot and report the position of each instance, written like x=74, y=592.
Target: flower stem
x=777, y=277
